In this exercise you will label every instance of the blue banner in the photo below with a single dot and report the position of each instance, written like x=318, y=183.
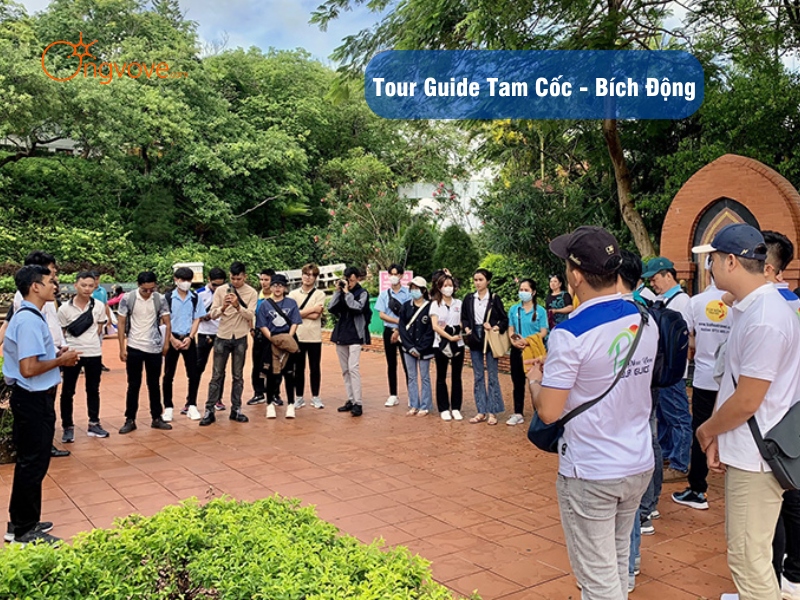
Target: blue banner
x=549, y=84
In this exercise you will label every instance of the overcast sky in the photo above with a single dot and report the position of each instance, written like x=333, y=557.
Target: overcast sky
x=282, y=24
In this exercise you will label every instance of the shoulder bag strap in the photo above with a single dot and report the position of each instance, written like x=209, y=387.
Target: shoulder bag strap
x=308, y=298
x=755, y=431
x=278, y=308
x=416, y=314
x=587, y=405
x=242, y=303
x=29, y=309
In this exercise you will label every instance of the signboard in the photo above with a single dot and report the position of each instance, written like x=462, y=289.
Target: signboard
x=404, y=280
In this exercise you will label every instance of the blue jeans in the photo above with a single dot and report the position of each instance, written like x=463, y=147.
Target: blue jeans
x=675, y=425
x=653, y=493
x=423, y=400
x=491, y=401
x=636, y=543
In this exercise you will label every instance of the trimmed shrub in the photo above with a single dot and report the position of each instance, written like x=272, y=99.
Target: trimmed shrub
x=457, y=253
x=269, y=549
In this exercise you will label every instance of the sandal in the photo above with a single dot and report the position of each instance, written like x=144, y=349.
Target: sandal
x=411, y=412
x=479, y=418
x=492, y=420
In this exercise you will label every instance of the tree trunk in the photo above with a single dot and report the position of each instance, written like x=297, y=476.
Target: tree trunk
x=630, y=215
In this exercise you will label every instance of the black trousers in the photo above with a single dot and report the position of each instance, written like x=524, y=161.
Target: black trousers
x=453, y=402
x=392, y=350
x=312, y=350
x=787, y=538
x=702, y=408
x=260, y=354
x=171, y=366
x=93, y=369
x=518, y=380
x=151, y=362
x=205, y=346
x=34, y=425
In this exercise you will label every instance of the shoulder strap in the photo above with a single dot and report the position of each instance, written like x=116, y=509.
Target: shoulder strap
x=278, y=308
x=416, y=314
x=308, y=298
x=29, y=309
x=755, y=431
x=242, y=303
x=587, y=405
x=666, y=304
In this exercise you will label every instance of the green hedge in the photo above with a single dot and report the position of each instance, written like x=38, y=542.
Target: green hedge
x=269, y=549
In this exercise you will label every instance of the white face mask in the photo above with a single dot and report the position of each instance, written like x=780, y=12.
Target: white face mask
x=447, y=291
x=184, y=286
x=394, y=279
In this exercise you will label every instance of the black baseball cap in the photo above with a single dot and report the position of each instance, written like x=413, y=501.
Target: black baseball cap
x=591, y=249
x=739, y=239
x=279, y=279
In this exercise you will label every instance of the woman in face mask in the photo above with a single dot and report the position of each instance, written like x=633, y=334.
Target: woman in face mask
x=388, y=307
x=526, y=318
x=416, y=335
x=449, y=346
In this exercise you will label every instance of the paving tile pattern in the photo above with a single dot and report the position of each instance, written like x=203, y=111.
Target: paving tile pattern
x=478, y=501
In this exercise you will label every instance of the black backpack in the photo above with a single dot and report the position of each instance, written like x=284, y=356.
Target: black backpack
x=673, y=344
x=195, y=299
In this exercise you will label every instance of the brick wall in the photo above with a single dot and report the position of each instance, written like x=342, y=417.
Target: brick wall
x=774, y=202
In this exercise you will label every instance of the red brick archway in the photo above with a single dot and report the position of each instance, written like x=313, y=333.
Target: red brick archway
x=735, y=180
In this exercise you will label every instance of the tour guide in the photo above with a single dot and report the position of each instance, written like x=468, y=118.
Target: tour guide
x=31, y=368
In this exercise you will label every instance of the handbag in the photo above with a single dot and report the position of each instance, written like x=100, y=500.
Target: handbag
x=82, y=324
x=545, y=436
x=780, y=448
x=499, y=343
x=475, y=339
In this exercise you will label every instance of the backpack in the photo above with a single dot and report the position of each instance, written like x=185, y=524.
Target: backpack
x=673, y=344
x=195, y=299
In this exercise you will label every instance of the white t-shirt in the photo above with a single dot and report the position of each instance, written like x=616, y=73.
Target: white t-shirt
x=611, y=439
x=88, y=343
x=710, y=319
x=763, y=344
x=143, y=334
x=50, y=312
x=447, y=315
x=480, y=305
x=210, y=327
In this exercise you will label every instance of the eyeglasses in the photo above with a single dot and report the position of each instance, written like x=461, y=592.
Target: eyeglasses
x=146, y=290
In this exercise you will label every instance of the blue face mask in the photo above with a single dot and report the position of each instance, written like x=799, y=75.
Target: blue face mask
x=416, y=294
x=526, y=296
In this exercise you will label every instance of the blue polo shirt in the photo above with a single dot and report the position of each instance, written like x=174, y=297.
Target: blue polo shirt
x=27, y=336
x=101, y=294
x=183, y=312
x=527, y=323
x=382, y=304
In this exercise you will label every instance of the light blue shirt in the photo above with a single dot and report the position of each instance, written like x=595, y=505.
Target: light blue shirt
x=382, y=305
x=676, y=289
x=27, y=336
x=530, y=323
x=183, y=314
x=101, y=294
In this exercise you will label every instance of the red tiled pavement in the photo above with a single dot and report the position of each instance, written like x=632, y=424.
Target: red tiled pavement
x=477, y=501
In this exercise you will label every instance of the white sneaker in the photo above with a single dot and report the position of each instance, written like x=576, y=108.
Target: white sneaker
x=290, y=411
x=299, y=402
x=271, y=414
x=515, y=419
x=789, y=590
x=392, y=401
x=193, y=413
x=729, y=597
x=446, y=416
x=457, y=415
x=167, y=416
x=316, y=402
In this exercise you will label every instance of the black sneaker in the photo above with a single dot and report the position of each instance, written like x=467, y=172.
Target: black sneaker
x=35, y=535
x=43, y=526
x=257, y=399
x=129, y=426
x=69, y=435
x=238, y=416
x=208, y=418
x=160, y=423
x=95, y=430
x=687, y=497
x=277, y=401
x=104, y=368
x=357, y=410
x=346, y=407
x=57, y=453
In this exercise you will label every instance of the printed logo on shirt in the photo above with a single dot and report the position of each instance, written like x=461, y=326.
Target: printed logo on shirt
x=621, y=345
x=716, y=311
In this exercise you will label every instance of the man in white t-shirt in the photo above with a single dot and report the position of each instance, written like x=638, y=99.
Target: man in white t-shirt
x=709, y=322
x=674, y=418
x=83, y=319
x=762, y=380
x=605, y=453
x=144, y=320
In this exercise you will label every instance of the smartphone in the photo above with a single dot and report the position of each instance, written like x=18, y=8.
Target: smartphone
x=516, y=336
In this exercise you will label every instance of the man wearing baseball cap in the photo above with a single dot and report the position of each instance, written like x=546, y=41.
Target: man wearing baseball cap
x=672, y=412
x=605, y=454
x=762, y=379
